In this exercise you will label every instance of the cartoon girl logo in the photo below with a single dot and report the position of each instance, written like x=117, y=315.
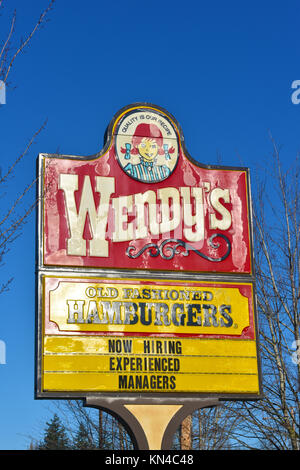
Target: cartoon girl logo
x=146, y=154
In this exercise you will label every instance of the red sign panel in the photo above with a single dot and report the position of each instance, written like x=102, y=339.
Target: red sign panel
x=144, y=204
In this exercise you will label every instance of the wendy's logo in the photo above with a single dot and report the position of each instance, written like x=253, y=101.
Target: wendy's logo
x=146, y=146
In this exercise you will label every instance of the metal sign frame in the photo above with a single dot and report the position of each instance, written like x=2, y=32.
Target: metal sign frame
x=112, y=273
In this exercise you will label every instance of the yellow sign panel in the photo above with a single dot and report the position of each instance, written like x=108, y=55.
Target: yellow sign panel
x=123, y=335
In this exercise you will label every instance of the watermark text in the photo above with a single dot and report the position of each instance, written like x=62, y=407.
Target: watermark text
x=2, y=92
x=296, y=354
x=295, y=97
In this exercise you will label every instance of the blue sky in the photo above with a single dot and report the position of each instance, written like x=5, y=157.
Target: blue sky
x=223, y=69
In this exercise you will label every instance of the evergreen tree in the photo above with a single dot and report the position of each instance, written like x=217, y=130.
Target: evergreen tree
x=83, y=440
x=55, y=437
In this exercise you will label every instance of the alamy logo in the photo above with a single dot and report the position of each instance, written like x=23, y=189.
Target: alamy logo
x=2, y=93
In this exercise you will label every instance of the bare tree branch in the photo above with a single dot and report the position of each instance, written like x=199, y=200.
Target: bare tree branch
x=5, y=64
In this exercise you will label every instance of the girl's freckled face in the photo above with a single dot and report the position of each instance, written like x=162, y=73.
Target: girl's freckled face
x=148, y=149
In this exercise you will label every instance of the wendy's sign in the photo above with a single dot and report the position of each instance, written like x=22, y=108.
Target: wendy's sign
x=145, y=282
x=143, y=203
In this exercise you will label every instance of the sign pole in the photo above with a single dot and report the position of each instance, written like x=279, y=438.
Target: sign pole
x=186, y=433
x=151, y=427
